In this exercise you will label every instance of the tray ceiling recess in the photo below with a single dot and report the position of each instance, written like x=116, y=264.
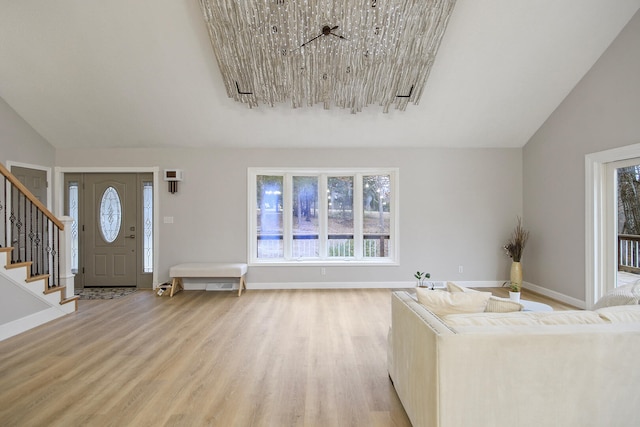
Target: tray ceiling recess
x=344, y=53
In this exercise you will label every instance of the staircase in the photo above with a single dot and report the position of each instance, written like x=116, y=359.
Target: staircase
x=35, y=256
x=19, y=272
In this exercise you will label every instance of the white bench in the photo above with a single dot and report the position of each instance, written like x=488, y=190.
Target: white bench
x=206, y=269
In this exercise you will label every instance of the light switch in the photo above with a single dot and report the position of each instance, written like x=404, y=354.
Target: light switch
x=168, y=220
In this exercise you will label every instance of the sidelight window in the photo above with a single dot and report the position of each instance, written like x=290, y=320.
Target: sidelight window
x=73, y=213
x=147, y=226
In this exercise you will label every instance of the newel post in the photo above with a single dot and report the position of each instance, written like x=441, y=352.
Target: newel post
x=66, y=276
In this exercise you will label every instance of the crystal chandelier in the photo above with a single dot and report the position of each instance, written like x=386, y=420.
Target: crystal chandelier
x=347, y=53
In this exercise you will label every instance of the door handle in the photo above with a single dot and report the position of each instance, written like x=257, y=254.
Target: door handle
x=130, y=236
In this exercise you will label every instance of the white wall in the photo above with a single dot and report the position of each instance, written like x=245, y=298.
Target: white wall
x=602, y=112
x=457, y=207
x=17, y=303
x=20, y=142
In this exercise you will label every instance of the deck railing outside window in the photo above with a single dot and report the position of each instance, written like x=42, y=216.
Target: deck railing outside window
x=307, y=245
x=629, y=253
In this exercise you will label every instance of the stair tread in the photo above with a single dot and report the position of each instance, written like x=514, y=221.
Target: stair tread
x=18, y=264
x=36, y=278
x=54, y=289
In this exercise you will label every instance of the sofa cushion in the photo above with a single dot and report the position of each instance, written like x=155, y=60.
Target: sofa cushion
x=442, y=303
x=623, y=295
x=574, y=317
x=489, y=319
x=620, y=314
x=494, y=305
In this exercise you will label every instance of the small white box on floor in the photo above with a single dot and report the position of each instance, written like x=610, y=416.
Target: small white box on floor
x=220, y=286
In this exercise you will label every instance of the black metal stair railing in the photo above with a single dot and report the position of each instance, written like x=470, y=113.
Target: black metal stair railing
x=30, y=229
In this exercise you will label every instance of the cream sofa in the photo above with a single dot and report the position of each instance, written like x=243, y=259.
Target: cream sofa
x=516, y=369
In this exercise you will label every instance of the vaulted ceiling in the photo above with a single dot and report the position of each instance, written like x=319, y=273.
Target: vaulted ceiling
x=124, y=73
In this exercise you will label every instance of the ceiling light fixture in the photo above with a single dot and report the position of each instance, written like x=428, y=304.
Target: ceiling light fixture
x=347, y=53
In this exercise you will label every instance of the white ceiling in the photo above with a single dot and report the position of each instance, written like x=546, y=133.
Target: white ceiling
x=124, y=73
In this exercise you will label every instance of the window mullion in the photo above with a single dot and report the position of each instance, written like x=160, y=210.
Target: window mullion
x=393, y=212
x=323, y=213
x=287, y=215
x=251, y=218
x=357, y=217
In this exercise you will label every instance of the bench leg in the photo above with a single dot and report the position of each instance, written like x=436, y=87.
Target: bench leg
x=242, y=284
x=176, y=286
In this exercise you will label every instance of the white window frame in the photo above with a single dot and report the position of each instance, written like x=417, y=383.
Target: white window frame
x=600, y=228
x=323, y=174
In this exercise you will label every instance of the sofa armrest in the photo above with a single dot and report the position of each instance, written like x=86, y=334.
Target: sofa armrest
x=412, y=358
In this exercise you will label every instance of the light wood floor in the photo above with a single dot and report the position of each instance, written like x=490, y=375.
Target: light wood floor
x=268, y=358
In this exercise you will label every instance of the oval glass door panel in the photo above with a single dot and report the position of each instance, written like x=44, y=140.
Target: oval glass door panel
x=110, y=214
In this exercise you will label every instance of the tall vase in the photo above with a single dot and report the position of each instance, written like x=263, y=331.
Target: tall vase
x=516, y=273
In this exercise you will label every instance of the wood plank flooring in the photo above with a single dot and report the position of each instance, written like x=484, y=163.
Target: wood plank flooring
x=268, y=358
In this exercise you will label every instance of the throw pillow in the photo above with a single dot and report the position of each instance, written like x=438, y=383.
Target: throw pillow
x=623, y=295
x=495, y=304
x=621, y=314
x=502, y=305
x=452, y=287
x=444, y=303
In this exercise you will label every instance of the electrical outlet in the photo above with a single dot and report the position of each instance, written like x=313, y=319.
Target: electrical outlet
x=460, y=269
x=323, y=271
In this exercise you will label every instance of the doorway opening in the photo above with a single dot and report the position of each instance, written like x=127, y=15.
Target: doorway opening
x=626, y=185
x=113, y=228
x=601, y=222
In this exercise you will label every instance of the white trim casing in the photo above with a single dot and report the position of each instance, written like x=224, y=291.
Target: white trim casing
x=36, y=167
x=26, y=323
x=600, y=226
x=155, y=170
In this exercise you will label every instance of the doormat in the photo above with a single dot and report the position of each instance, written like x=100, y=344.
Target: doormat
x=104, y=293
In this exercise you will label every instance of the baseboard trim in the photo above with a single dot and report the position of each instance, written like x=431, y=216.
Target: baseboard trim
x=555, y=295
x=329, y=285
x=23, y=324
x=363, y=285
x=396, y=285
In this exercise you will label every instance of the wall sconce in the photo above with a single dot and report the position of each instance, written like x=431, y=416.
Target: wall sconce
x=173, y=176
